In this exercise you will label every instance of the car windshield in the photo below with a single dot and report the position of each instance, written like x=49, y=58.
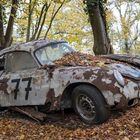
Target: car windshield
x=52, y=52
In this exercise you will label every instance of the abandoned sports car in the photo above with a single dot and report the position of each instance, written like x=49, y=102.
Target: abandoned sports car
x=40, y=76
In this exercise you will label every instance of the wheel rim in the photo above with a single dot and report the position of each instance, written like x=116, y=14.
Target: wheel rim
x=85, y=107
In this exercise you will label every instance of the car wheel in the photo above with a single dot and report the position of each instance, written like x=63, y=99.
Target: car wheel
x=89, y=104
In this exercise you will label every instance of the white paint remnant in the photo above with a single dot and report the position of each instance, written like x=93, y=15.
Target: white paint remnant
x=107, y=81
x=109, y=96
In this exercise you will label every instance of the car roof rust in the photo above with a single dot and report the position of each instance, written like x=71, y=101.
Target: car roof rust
x=29, y=46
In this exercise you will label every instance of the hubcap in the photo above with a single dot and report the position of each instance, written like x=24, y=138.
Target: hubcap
x=85, y=107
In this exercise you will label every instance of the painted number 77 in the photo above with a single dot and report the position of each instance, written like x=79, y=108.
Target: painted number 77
x=27, y=89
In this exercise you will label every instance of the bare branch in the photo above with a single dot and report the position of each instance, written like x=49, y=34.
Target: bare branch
x=58, y=33
x=39, y=21
x=43, y=21
x=52, y=19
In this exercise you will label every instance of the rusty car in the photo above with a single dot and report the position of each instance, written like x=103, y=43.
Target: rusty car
x=31, y=83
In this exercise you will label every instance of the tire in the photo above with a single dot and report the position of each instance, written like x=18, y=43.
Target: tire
x=89, y=104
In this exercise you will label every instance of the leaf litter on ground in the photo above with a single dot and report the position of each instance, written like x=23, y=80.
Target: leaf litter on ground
x=121, y=126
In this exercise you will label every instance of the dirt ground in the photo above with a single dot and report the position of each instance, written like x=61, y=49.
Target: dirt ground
x=121, y=126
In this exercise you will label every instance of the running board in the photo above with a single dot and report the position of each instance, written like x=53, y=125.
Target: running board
x=30, y=112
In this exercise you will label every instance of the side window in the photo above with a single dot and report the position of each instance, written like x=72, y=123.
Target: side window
x=16, y=61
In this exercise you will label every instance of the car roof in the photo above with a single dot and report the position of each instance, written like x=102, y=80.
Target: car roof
x=29, y=46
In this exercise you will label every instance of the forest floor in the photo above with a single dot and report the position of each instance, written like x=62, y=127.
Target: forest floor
x=121, y=125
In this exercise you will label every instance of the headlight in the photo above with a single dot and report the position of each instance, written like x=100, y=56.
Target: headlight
x=119, y=78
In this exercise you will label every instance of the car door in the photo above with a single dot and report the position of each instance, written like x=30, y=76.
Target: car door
x=23, y=82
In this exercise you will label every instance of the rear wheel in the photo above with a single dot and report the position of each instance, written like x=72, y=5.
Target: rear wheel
x=89, y=104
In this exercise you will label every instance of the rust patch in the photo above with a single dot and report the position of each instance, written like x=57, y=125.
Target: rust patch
x=88, y=74
x=122, y=104
x=102, y=74
x=50, y=69
x=4, y=85
x=55, y=101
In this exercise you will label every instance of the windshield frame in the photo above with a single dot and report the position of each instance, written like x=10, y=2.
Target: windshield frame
x=49, y=44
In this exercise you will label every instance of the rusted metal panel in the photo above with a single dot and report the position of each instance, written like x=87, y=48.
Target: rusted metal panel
x=103, y=79
x=17, y=91
x=131, y=59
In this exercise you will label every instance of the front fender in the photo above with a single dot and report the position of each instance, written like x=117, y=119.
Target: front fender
x=103, y=79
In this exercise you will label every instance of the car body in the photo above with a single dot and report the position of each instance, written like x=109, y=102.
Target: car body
x=28, y=77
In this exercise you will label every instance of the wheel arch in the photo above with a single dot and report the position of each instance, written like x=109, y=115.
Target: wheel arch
x=66, y=95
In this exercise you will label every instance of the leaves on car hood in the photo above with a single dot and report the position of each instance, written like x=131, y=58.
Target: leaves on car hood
x=81, y=59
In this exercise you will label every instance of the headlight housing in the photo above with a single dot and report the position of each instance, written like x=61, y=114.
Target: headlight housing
x=119, y=78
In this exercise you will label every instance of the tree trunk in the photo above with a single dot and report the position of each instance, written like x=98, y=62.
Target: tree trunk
x=9, y=30
x=2, y=40
x=127, y=47
x=98, y=23
x=29, y=22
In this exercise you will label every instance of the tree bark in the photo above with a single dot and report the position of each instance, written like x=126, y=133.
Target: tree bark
x=2, y=40
x=9, y=30
x=29, y=21
x=98, y=23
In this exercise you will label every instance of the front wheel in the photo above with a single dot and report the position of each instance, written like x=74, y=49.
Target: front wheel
x=89, y=104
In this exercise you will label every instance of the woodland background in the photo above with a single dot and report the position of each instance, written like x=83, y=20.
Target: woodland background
x=88, y=25
x=99, y=26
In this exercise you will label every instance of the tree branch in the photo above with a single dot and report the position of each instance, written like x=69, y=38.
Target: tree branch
x=58, y=33
x=52, y=19
x=39, y=21
x=43, y=21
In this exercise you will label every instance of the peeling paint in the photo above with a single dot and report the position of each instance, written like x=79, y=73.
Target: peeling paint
x=49, y=82
x=107, y=81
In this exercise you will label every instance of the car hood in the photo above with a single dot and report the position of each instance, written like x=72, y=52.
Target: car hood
x=126, y=70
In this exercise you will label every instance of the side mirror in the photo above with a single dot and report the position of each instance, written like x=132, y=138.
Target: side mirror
x=51, y=65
